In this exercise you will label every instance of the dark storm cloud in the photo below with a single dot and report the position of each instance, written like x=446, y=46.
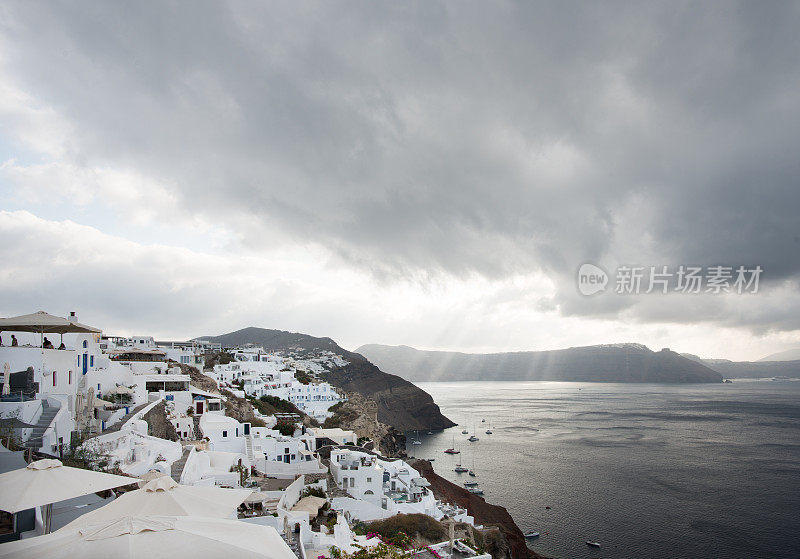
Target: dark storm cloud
x=426, y=138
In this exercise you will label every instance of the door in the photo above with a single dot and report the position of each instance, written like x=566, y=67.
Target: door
x=199, y=407
x=246, y=429
x=85, y=363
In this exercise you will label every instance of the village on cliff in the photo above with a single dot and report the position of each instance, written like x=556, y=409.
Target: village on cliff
x=120, y=446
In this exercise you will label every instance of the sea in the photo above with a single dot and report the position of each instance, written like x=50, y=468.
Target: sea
x=646, y=470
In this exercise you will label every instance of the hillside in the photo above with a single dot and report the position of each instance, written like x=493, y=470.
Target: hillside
x=603, y=363
x=400, y=404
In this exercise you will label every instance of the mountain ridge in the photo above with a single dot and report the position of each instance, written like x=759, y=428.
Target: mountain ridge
x=628, y=362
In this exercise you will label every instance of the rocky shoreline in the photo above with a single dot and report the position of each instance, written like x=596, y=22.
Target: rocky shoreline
x=483, y=512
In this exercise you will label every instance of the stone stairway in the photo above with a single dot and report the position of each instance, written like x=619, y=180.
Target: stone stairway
x=48, y=413
x=333, y=489
x=248, y=443
x=177, y=466
x=198, y=433
x=118, y=425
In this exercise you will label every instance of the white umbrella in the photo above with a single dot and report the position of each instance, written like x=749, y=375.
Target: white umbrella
x=153, y=537
x=149, y=476
x=44, y=323
x=45, y=482
x=121, y=390
x=163, y=496
x=6, y=378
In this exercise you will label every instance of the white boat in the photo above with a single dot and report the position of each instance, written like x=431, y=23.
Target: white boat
x=488, y=431
x=483, y=421
x=593, y=544
x=472, y=473
x=459, y=469
x=475, y=490
x=473, y=438
x=464, y=432
x=532, y=535
x=416, y=440
x=470, y=483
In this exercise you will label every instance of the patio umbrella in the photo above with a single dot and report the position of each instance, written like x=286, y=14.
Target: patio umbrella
x=155, y=537
x=164, y=496
x=6, y=378
x=149, y=476
x=44, y=323
x=44, y=482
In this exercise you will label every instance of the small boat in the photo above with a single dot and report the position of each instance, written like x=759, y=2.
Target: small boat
x=473, y=474
x=532, y=534
x=416, y=442
x=452, y=449
x=475, y=490
x=459, y=469
x=430, y=459
x=483, y=421
x=473, y=438
x=430, y=432
x=470, y=483
x=593, y=544
x=416, y=439
x=464, y=432
x=488, y=431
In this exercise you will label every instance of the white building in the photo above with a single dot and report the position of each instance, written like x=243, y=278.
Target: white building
x=380, y=488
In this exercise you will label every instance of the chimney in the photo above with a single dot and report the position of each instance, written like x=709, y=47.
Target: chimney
x=72, y=317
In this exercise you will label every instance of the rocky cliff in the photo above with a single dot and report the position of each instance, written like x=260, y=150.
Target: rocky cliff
x=483, y=512
x=603, y=363
x=400, y=404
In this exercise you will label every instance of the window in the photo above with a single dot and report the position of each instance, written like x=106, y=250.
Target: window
x=98, y=387
x=54, y=377
x=85, y=343
x=91, y=360
x=224, y=434
x=369, y=480
x=70, y=378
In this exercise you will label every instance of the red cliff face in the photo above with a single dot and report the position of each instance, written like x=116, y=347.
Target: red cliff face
x=483, y=512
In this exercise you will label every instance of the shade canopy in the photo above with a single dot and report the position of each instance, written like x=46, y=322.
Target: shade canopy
x=153, y=537
x=163, y=496
x=310, y=504
x=44, y=323
x=48, y=481
x=121, y=390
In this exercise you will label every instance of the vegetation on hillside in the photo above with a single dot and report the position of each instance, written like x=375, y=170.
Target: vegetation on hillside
x=418, y=526
x=343, y=416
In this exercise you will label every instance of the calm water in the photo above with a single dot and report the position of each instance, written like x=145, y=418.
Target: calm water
x=647, y=470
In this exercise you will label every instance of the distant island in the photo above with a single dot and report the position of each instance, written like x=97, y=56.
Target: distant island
x=777, y=365
x=601, y=363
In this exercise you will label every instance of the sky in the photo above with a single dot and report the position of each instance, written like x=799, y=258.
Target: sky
x=428, y=173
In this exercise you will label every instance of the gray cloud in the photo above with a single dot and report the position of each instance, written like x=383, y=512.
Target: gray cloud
x=450, y=138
